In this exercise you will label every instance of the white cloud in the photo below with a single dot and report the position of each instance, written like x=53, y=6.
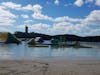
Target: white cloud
x=86, y=26
x=60, y=25
x=66, y=18
x=6, y=17
x=79, y=3
x=21, y=26
x=25, y=16
x=28, y=21
x=68, y=25
x=56, y=2
x=97, y=2
x=93, y=18
x=88, y=1
x=37, y=8
x=36, y=26
x=3, y=29
x=6, y=21
x=41, y=16
x=11, y=5
x=40, y=26
x=6, y=13
x=93, y=32
x=38, y=13
x=27, y=7
x=2, y=7
x=63, y=26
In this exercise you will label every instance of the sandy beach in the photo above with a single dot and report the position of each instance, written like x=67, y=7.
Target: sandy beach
x=49, y=67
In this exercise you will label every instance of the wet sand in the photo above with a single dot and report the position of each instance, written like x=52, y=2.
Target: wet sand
x=49, y=67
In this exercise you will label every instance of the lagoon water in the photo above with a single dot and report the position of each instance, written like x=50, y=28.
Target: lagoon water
x=22, y=51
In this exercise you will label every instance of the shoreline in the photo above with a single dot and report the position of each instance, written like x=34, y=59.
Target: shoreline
x=49, y=67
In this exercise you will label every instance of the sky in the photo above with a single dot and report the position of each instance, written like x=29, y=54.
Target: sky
x=53, y=17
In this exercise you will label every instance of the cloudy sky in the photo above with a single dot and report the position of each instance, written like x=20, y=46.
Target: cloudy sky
x=80, y=17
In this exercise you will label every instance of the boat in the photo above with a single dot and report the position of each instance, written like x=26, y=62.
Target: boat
x=31, y=42
x=38, y=45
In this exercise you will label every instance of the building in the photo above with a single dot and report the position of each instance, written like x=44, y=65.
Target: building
x=26, y=29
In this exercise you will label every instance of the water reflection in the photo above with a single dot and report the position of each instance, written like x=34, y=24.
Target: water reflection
x=13, y=51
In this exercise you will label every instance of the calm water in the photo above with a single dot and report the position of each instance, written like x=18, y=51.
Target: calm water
x=13, y=51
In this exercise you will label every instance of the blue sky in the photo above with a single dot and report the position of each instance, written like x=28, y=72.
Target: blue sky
x=80, y=17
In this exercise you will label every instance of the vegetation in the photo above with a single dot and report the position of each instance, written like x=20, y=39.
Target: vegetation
x=67, y=37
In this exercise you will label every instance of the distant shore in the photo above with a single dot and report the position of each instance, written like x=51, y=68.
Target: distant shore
x=49, y=67
x=67, y=37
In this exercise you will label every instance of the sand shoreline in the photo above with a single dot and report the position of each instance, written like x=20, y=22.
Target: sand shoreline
x=49, y=67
